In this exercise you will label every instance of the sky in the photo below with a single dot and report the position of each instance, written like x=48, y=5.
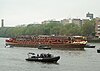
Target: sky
x=18, y=12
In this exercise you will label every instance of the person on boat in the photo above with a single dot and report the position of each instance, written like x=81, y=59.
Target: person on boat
x=48, y=55
x=41, y=55
x=37, y=55
x=69, y=39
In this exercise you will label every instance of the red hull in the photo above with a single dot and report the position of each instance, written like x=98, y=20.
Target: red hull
x=53, y=42
x=60, y=46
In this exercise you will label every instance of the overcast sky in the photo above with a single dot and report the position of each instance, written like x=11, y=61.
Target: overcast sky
x=17, y=12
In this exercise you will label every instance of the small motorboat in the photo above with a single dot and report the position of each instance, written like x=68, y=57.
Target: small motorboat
x=43, y=57
x=89, y=46
x=9, y=46
x=98, y=50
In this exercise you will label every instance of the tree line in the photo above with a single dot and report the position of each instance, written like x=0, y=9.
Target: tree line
x=52, y=28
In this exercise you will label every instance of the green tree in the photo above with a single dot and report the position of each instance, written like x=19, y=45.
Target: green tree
x=88, y=28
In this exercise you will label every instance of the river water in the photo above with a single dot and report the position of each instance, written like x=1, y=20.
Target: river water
x=13, y=59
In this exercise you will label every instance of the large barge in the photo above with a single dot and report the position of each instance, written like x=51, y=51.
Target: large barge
x=66, y=42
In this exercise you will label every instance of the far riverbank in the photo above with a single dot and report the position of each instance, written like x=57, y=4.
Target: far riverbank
x=94, y=40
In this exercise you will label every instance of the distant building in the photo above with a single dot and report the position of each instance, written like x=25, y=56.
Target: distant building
x=84, y=20
x=2, y=22
x=50, y=21
x=77, y=21
x=97, y=26
x=65, y=21
x=90, y=15
x=45, y=22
